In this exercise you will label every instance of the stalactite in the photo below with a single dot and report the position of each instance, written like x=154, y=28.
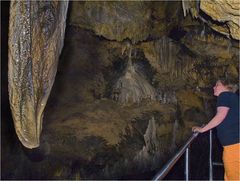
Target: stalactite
x=36, y=33
x=165, y=51
x=186, y=7
x=166, y=96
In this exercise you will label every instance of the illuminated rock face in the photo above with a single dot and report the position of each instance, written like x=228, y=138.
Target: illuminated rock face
x=132, y=86
x=36, y=34
x=224, y=11
x=221, y=15
x=113, y=20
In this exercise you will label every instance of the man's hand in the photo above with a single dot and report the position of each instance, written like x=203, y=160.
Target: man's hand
x=197, y=129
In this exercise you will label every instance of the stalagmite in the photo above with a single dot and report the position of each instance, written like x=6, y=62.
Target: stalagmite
x=132, y=87
x=151, y=149
x=174, y=134
x=36, y=34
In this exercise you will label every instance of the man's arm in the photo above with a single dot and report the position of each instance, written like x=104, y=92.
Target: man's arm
x=215, y=121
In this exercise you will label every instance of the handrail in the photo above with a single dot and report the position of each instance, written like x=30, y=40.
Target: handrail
x=211, y=163
x=210, y=157
x=164, y=171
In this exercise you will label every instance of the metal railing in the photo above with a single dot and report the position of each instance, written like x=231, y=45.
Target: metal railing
x=211, y=163
x=185, y=149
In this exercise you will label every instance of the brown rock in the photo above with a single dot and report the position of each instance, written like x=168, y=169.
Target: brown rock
x=36, y=32
x=224, y=11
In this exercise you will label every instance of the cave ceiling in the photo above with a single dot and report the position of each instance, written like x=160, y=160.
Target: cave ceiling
x=138, y=21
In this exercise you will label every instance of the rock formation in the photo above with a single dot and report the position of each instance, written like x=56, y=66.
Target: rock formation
x=36, y=34
x=224, y=15
x=132, y=85
x=225, y=12
x=113, y=20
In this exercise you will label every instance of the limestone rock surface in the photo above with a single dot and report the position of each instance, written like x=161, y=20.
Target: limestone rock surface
x=225, y=12
x=122, y=20
x=113, y=20
x=36, y=34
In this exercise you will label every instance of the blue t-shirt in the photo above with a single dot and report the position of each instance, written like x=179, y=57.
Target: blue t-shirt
x=228, y=130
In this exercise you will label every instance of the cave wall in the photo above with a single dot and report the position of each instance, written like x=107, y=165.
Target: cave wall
x=180, y=62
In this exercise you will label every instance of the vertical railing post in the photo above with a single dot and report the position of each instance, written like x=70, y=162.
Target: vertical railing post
x=210, y=157
x=187, y=164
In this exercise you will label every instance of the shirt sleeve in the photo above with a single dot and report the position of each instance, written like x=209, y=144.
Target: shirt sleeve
x=224, y=100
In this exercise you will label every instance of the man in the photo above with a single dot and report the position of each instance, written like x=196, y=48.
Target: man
x=226, y=121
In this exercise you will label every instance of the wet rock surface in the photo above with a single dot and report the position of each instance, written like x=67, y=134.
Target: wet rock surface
x=36, y=34
x=224, y=12
x=222, y=16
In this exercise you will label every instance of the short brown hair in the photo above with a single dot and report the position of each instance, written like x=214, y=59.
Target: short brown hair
x=228, y=83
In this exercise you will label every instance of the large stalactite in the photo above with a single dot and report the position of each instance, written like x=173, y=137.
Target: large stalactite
x=36, y=34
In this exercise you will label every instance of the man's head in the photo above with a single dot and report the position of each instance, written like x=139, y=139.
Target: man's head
x=223, y=85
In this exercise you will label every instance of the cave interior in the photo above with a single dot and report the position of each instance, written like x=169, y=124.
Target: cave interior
x=132, y=78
